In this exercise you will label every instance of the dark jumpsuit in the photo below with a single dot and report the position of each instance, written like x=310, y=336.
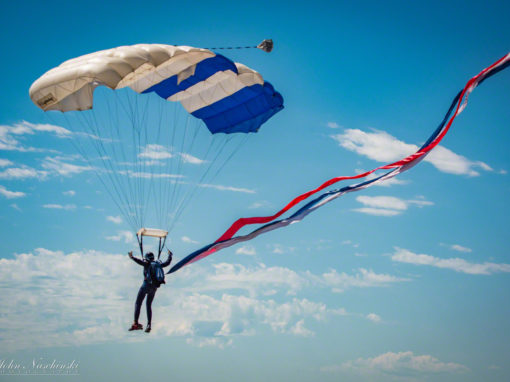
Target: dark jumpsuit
x=147, y=288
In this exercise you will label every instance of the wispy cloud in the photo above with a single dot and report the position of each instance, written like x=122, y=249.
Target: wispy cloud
x=388, y=205
x=69, y=193
x=5, y=163
x=188, y=158
x=125, y=236
x=155, y=151
x=186, y=239
x=383, y=147
x=56, y=165
x=23, y=172
x=457, y=247
x=114, y=219
x=67, y=207
x=456, y=264
x=227, y=188
x=374, y=317
x=246, y=250
x=333, y=125
x=11, y=194
x=364, y=278
x=398, y=364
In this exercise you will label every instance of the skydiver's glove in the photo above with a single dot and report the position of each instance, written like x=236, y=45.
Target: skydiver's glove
x=130, y=254
x=170, y=254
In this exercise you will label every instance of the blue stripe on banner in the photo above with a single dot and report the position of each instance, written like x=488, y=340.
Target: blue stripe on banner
x=244, y=111
x=204, y=69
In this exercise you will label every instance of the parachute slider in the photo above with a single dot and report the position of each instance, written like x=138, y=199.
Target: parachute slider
x=152, y=232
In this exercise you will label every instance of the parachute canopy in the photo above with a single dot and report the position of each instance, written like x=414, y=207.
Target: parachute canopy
x=229, y=97
x=153, y=156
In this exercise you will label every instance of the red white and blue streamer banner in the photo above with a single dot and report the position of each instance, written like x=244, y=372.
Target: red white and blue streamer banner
x=227, y=239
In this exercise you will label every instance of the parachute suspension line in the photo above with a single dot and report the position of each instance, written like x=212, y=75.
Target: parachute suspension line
x=88, y=129
x=199, y=186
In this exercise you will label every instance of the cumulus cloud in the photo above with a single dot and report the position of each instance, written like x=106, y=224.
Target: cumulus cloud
x=383, y=147
x=456, y=264
x=87, y=297
x=387, y=205
x=11, y=194
x=398, y=364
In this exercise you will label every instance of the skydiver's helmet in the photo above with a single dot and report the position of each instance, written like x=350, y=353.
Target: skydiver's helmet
x=149, y=256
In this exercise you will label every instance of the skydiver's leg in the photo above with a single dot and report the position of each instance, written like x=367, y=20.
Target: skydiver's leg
x=139, y=301
x=150, y=297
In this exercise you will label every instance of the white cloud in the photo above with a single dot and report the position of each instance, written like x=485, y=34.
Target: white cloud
x=460, y=248
x=11, y=194
x=387, y=205
x=5, y=163
x=155, y=151
x=67, y=207
x=300, y=330
x=227, y=188
x=388, y=202
x=23, y=172
x=114, y=219
x=364, y=278
x=187, y=158
x=457, y=247
x=186, y=239
x=246, y=250
x=87, y=297
x=333, y=125
x=126, y=236
x=150, y=175
x=260, y=204
x=401, y=364
x=56, y=165
x=383, y=147
x=374, y=317
x=456, y=264
x=69, y=193
x=9, y=134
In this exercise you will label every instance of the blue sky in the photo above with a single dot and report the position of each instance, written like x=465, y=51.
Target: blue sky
x=404, y=282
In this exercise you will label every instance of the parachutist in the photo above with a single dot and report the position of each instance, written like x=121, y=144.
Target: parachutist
x=153, y=277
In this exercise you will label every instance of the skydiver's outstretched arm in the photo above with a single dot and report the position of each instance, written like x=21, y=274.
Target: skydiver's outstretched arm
x=169, y=260
x=136, y=260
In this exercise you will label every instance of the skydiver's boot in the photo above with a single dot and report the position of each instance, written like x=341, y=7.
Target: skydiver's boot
x=136, y=326
x=148, y=328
